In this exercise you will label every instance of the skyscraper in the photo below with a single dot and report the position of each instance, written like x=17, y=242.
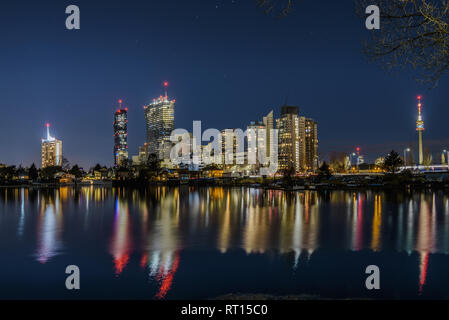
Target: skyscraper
x=268, y=121
x=121, y=136
x=256, y=141
x=420, y=129
x=308, y=136
x=51, y=150
x=232, y=153
x=289, y=139
x=160, y=122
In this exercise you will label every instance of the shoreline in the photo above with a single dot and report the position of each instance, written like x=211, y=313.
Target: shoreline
x=236, y=184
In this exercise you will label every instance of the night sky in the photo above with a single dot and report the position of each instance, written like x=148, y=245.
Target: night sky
x=227, y=64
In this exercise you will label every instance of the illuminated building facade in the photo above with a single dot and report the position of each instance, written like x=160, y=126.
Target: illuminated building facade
x=268, y=122
x=51, y=151
x=308, y=144
x=289, y=138
x=255, y=131
x=234, y=154
x=121, y=136
x=160, y=122
x=420, y=129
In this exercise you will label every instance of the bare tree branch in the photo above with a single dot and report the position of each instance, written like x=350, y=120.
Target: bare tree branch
x=279, y=8
x=413, y=33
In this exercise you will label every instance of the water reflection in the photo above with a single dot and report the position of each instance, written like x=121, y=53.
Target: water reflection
x=49, y=228
x=121, y=245
x=157, y=224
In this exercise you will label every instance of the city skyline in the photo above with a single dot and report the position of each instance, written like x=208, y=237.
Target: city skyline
x=307, y=138
x=224, y=84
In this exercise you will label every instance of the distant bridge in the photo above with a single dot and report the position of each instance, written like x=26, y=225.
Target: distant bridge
x=427, y=169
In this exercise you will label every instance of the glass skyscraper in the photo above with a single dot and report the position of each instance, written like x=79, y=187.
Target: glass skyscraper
x=160, y=122
x=121, y=136
x=51, y=151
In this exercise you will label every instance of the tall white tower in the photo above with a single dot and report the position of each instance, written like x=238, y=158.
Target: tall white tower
x=420, y=129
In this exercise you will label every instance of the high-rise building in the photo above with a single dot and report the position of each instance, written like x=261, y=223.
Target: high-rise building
x=51, y=150
x=289, y=139
x=121, y=136
x=308, y=134
x=233, y=153
x=160, y=122
x=256, y=135
x=268, y=121
x=420, y=129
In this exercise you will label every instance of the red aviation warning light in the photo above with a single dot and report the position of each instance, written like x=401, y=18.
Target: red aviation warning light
x=47, y=125
x=419, y=122
x=165, y=87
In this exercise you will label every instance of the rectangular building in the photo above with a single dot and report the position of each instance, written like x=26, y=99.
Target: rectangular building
x=308, y=144
x=160, y=122
x=51, y=151
x=121, y=137
x=288, y=138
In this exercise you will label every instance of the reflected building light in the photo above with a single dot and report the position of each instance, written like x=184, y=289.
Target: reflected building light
x=357, y=224
x=424, y=262
x=377, y=223
x=426, y=227
x=168, y=276
x=225, y=226
x=410, y=228
x=256, y=231
x=425, y=241
x=297, y=253
x=121, y=245
x=143, y=260
x=297, y=232
x=154, y=264
x=22, y=213
x=162, y=269
x=144, y=224
x=313, y=230
x=49, y=234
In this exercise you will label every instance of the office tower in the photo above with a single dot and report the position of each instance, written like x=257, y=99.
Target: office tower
x=308, y=144
x=51, y=151
x=121, y=136
x=256, y=136
x=268, y=121
x=288, y=138
x=160, y=122
x=420, y=129
x=235, y=153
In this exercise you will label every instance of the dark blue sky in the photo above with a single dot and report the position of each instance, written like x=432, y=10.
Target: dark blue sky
x=226, y=62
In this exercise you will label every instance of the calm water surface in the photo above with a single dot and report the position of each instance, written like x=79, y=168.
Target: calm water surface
x=195, y=243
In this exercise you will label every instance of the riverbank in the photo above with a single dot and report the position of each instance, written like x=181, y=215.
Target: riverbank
x=296, y=184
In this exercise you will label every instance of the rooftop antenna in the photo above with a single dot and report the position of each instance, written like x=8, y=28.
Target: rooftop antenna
x=120, y=101
x=48, y=131
x=165, y=88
